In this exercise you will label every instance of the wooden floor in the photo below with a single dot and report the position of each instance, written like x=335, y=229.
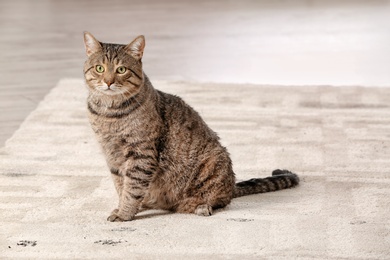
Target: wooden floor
x=264, y=42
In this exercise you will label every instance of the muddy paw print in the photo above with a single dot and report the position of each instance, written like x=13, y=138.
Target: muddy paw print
x=25, y=243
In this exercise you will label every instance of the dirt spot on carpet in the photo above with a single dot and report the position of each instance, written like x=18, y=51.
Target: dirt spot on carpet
x=110, y=242
x=25, y=243
x=240, y=219
x=357, y=222
x=123, y=229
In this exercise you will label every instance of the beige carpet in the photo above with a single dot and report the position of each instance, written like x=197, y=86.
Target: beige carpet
x=55, y=190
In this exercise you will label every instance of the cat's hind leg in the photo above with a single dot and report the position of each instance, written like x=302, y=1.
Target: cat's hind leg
x=196, y=206
x=211, y=188
x=200, y=206
x=204, y=210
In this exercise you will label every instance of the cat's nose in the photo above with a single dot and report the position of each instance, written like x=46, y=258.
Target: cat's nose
x=109, y=83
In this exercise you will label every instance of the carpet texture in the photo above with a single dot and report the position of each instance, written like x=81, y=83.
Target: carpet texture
x=56, y=191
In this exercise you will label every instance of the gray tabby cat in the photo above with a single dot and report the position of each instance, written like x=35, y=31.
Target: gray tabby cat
x=161, y=154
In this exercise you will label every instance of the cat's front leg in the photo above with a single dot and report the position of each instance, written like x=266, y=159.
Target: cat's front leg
x=135, y=186
x=118, y=181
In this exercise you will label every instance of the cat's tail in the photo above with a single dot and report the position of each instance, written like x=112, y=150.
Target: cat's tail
x=280, y=179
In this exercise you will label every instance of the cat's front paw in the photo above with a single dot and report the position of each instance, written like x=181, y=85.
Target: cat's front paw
x=116, y=217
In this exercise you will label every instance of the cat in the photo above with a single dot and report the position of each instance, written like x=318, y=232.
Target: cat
x=160, y=152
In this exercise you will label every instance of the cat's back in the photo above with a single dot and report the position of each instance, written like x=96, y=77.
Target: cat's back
x=181, y=119
x=187, y=138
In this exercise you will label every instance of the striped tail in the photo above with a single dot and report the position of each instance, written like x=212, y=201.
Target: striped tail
x=280, y=179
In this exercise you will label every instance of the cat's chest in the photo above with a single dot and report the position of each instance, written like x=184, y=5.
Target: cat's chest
x=114, y=128
x=113, y=137
x=118, y=136
x=118, y=133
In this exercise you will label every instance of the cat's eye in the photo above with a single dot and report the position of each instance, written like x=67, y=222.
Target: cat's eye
x=121, y=69
x=99, y=68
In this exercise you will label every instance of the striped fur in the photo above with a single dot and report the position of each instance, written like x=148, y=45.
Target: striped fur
x=160, y=152
x=280, y=179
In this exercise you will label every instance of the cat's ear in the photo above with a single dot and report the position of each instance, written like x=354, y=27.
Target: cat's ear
x=91, y=44
x=136, y=47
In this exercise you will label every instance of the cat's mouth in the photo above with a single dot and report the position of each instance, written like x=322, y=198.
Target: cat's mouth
x=109, y=90
x=112, y=91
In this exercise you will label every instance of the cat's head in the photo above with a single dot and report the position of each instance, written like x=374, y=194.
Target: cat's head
x=113, y=69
